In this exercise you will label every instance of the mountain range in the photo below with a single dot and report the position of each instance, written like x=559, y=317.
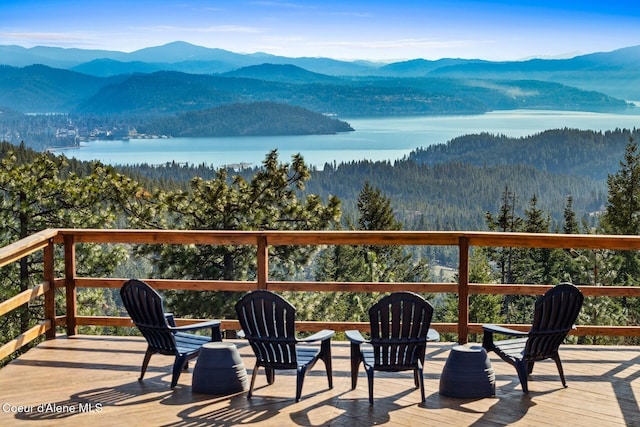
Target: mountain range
x=179, y=77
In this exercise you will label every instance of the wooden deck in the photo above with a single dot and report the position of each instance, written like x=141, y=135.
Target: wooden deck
x=92, y=381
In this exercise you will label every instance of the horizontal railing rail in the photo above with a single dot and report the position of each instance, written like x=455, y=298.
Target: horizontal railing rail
x=262, y=240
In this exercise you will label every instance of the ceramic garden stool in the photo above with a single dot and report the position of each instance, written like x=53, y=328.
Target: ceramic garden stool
x=468, y=373
x=219, y=370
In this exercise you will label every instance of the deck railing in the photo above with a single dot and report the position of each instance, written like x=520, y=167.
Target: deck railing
x=46, y=240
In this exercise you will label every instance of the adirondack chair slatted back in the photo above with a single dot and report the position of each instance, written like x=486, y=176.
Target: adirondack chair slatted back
x=145, y=308
x=399, y=326
x=555, y=315
x=268, y=322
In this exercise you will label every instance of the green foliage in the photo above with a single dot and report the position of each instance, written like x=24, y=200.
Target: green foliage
x=268, y=202
x=362, y=263
x=40, y=191
x=622, y=213
x=552, y=266
x=622, y=216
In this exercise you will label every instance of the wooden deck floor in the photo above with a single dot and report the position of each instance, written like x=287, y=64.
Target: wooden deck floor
x=92, y=381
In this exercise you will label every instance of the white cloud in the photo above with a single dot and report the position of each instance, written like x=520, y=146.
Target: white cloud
x=61, y=39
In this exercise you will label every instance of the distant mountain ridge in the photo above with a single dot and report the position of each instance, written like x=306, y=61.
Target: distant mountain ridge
x=281, y=73
x=615, y=73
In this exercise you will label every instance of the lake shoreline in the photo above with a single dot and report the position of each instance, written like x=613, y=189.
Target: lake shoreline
x=379, y=139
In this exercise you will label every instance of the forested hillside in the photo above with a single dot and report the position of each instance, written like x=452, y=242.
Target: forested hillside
x=258, y=118
x=561, y=151
x=453, y=185
x=455, y=195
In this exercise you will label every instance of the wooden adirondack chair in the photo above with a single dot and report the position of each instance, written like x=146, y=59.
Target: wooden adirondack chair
x=399, y=333
x=145, y=308
x=554, y=316
x=268, y=322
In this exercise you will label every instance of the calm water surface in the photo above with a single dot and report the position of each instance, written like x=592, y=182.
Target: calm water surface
x=374, y=139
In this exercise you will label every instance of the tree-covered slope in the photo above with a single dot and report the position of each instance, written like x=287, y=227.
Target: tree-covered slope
x=40, y=89
x=257, y=118
x=455, y=195
x=563, y=151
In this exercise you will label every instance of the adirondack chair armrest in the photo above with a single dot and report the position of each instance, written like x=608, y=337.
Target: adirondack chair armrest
x=504, y=331
x=489, y=330
x=214, y=325
x=322, y=335
x=355, y=337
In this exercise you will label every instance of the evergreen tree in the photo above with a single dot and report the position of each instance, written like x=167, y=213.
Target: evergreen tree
x=534, y=262
x=268, y=202
x=576, y=264
x=42, y=192
x=375, y=210
x=570, y=225
x=366, y=263
x=530, y=265
x=622, y=216
x=622, y=213
x=506, y=221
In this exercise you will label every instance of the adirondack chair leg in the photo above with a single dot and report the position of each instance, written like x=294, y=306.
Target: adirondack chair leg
x=356, y=358
x=178, y=366
x=370, y=380
x=325, y=356
x=271, y=375
x=417, y=375
x=420, y=378
x=301, y=372
x=523, y=375
x=530, y=367
x=560, y=370
x=253, y=381
x=145, y=362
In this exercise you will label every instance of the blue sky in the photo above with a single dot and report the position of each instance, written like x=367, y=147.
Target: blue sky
x=375, y=30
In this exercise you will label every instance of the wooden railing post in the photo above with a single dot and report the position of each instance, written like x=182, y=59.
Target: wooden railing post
x=463, y=290
x=50, y=295
x=70, y=283
x=263, y=262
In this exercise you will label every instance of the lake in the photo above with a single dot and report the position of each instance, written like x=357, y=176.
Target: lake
x=376, y=139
